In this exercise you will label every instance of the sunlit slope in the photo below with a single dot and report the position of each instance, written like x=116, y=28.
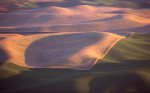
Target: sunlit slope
x=58, y=50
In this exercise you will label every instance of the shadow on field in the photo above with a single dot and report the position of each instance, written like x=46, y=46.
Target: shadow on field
x=110, y=3
x=65, y=81
x=3, y=54
x=119, y=83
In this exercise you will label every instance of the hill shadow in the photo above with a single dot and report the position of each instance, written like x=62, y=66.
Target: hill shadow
x=108, y=3
x=119, y=83
x=65, y=3
x=3, y=54
x=39, y=81
x=64, y=81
